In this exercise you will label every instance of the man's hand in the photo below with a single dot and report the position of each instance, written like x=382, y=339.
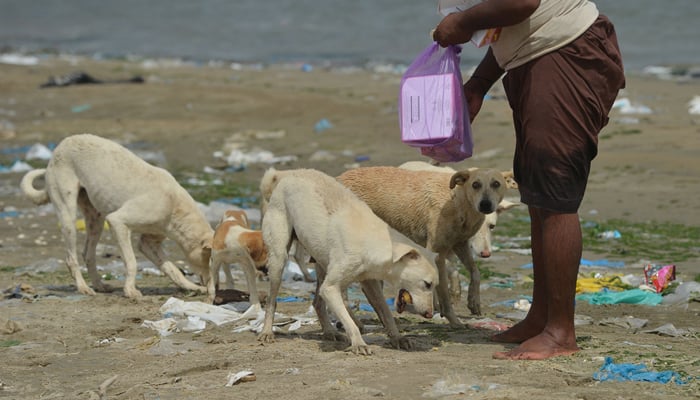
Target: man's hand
x=451, y=31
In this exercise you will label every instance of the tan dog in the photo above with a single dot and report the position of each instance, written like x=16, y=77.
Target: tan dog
x=437, y=210
x=349, y=244
x=482, y=239
x=108, y=182
x=235, y=242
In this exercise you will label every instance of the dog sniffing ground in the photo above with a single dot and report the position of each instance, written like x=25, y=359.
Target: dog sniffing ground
x=58, y=344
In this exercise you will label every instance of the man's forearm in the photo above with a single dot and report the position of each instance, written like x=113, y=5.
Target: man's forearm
x=497, y=13
x=487, y=72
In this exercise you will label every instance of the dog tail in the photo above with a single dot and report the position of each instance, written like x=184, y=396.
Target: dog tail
x=38, y=197
x=267, y=184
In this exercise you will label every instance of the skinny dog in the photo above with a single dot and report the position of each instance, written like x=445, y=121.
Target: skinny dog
x=349, y=244
x=108, y=182
x=437, y=210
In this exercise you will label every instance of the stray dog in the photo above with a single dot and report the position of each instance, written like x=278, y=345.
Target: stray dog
x=349, y=244
x=436, y=210
x=235, y=242
x=481, y=241
x=108, y=182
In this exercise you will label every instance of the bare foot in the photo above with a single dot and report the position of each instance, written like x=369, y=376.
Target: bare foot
x=540, y=347
x=519, y=332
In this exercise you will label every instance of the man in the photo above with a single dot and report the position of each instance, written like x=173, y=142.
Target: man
x=563, y=71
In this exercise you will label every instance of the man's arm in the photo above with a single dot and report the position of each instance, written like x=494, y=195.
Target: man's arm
x=459, y=27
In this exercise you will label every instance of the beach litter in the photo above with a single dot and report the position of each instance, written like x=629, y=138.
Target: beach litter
x=322, y=125
x=626, y=106
x=670, y=330
x=694, y=105
x=633, y=296
x=610, y=371
x=238, y=377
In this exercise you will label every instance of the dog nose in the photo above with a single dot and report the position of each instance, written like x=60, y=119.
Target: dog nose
x=428, y=314
x=485, y=254
x=486, y=207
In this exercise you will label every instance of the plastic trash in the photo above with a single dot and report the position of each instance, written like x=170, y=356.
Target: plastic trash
x=694, y=106
x=322, y=125
x=634, y=296
x=38, y=151
x=670, y=330
x=684, y=293
x=610, y=235
x=635, y=372
x=238, y=377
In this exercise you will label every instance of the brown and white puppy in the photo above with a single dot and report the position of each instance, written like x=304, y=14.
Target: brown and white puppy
x=108, y=182
x=349, y=244
x=437, y=210
x=235, y=243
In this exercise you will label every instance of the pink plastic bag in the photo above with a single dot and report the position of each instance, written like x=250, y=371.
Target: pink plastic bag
x=432, y=110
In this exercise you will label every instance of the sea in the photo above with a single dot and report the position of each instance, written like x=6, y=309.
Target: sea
x=331, y=32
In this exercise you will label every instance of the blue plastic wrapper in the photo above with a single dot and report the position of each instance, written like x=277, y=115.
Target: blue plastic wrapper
x=635, y=372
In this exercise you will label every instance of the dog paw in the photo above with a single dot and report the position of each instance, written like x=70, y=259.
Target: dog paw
x=266, y=337
x=361, y=350
x=132, y=293
x=86, y=291
x=402, y=343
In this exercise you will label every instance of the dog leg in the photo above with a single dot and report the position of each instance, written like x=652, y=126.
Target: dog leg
x=329, y=331
x=94, y=224
x=331, y=293
x=375, y=296
x=463, y=252
x=277, y=234
x=251, y=278
x=123, y=235
x=229, y=277
x=65, y=203
x=443, y=293
x=151, y=246
x=213, y=281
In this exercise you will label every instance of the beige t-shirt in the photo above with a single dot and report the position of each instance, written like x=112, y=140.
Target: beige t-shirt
x=553, y=25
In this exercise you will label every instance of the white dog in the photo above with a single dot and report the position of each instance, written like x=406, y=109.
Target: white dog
x=108, y=182
x=437, y=210
x=235, y=242
x=349, y=244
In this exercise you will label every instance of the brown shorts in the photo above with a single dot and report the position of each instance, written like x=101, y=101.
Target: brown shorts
x=560, y=102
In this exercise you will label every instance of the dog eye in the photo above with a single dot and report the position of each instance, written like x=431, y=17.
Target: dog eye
x=428, y=285
x=496, y=184
x=476, y=185
x=492, y=227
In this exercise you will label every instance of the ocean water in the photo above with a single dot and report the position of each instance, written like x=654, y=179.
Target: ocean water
x=651, y=32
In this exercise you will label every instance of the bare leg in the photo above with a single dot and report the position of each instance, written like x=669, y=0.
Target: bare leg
x=560, y=251
x=536, y=318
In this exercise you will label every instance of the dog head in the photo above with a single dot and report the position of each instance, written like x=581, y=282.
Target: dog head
x=200, y=256
x=482, y=188
x=481, y=241
x=415, y=275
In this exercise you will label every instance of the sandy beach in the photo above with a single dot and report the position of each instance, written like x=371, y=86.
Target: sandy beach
x=189, y=118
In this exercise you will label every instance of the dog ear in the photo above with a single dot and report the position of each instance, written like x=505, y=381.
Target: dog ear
x=459, y=178
x=510, y=179
x=403, y=251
